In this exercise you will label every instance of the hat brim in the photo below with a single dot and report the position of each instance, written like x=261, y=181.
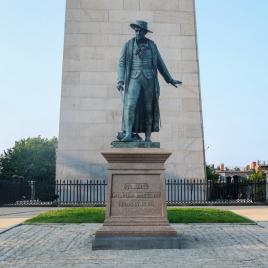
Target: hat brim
x=133, y=25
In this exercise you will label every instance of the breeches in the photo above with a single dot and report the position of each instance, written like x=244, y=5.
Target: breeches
x=135, y=88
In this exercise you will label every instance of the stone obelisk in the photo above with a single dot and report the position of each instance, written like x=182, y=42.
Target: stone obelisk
x=91, y=109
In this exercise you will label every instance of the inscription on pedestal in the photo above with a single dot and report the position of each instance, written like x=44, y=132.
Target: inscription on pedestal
x=138, y=203
x=136, y=194
x=136, y=186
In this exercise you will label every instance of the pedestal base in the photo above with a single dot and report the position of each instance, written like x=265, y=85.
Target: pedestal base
x=136, y=230
x=136, y=216
x=135, y=242
x=135, y=144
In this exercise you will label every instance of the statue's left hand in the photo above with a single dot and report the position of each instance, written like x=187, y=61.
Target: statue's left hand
x=120, y=86
x=175, y=82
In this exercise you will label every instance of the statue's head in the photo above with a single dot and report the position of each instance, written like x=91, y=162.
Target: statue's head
x=141, y=29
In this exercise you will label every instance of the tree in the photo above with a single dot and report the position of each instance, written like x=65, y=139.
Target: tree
x=211, y=174
x=32, y=158
x=256, y=175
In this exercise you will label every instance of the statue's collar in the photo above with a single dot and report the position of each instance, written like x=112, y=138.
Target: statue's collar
x=143, y=43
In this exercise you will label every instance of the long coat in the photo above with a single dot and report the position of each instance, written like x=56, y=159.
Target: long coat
x=124, y=70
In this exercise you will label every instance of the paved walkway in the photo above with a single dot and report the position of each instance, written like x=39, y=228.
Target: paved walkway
x=255, y=213
x=12, y=216
x=203, y=246
x=258, y=214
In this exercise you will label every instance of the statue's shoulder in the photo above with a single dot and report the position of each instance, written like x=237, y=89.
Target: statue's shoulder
x=151, y=43
x=130, y=41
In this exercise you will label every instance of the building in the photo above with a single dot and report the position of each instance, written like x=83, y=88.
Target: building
x=238, y=174
x=263, y=165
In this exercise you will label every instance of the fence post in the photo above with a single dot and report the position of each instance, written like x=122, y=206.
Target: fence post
x=32, y=183
x=267, y=188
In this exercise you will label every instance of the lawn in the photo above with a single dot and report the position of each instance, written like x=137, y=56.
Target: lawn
x=175, y=215
x=204, y=215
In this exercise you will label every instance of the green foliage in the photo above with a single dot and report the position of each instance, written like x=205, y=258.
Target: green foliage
x=211, y=174
x=175, y=215
x=31, y=158
x=204, y=215
x=14, y=190
x=256, y=175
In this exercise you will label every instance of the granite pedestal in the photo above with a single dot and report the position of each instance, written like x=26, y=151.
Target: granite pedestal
x=136, y=216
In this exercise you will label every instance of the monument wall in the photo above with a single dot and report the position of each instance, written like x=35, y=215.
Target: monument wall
x=91, y=109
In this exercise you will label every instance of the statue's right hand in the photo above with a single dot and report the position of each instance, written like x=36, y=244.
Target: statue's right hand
x=120, y=86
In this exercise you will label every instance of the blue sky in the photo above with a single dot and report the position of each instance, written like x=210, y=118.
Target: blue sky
x=232, y=39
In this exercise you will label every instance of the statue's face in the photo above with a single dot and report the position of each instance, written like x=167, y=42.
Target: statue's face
x=140, y=33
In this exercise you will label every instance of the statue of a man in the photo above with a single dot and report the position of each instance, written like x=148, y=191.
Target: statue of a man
x=138, y=83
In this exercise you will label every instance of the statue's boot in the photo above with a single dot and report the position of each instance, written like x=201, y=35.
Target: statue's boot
x=129, y=123
x=148, y=137
x=128, y=137
x=148, y=130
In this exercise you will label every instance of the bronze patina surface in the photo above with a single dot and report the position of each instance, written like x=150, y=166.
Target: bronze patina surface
x=139, y=64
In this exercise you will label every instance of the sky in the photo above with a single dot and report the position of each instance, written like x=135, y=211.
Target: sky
x=232, y=41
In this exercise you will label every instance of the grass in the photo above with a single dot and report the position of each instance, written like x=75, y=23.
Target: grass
x=175, y=215
x=204, y=215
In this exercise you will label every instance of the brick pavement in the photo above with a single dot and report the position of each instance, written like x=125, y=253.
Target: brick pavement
x=203, y=245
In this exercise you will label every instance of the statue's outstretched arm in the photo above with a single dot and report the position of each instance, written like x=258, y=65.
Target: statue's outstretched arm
x=164, y=71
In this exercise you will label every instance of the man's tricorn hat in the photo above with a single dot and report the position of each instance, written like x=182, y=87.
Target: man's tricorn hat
x=140, y=24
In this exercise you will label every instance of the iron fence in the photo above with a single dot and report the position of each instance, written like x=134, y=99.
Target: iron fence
x=82, y=192
x=93, y=192
x=199, y=192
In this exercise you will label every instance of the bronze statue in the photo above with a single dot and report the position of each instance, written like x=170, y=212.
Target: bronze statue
x=138, y=83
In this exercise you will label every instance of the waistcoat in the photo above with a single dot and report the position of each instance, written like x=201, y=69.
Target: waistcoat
x=142, y=64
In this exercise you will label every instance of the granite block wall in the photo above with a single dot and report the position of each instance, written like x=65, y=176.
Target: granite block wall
x=91, y=110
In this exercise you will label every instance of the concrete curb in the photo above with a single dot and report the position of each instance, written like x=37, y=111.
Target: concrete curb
x=263, y=224
x=9, y=228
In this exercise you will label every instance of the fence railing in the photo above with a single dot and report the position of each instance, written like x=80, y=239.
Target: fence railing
x=183, y=191
x=93, y=192
x=90, y=191
x=200, y=192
